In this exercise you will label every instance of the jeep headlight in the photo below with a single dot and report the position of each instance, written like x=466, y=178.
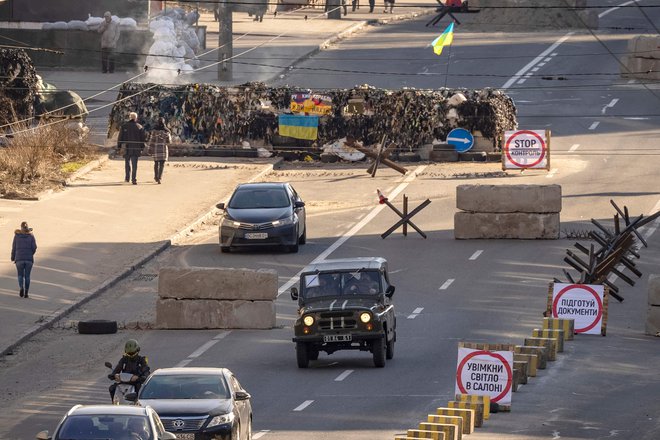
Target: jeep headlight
x=365, y=317
x=221, y=419
x=308, y=320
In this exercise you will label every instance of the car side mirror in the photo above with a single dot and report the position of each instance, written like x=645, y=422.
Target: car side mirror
x=167, y=436
x=299, y=204
x=389, y=291
x=131, y=397
x=43, y=435
x=220, y=206
x=242, y=395
x=294, y=293
x=108, y=364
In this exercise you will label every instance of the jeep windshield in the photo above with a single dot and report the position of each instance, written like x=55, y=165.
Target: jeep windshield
x=340, y=283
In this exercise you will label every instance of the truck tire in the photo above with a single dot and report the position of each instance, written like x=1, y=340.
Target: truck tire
x=379, y=351
x=302, y=354
x=97, y=327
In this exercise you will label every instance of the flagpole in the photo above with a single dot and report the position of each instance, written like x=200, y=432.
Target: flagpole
x=447, y=69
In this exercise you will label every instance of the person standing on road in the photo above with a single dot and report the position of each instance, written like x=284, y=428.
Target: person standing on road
x=372, y=5
x=109, y=31
x=22, y=253
x=391, y=5
x=159, y=139
x=131, y=138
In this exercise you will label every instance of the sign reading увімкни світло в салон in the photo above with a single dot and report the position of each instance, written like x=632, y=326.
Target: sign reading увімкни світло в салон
x=526, y=149
x=586, y=304
x=485, y=372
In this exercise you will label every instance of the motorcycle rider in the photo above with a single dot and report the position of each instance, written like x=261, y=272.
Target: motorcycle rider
x=131, y=362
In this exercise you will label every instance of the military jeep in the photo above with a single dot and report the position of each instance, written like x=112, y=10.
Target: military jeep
x=345, y=304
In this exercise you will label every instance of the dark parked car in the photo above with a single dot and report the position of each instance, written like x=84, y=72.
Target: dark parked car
x=345, y=304
x=261, y=214
x=109, y=422
x=199, y=403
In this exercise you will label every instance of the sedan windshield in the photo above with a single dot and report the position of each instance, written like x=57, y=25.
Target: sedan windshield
x=255, y=198
x=180, y=386
x=110, y=427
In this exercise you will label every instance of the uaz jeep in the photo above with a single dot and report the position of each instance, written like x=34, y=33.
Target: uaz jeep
x=345, y=304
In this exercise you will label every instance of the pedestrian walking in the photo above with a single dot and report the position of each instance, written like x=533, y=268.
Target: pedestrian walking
x=22, y=254
x=159, y=139
x=372, y=5
x=109, y=31
x=389, y=3
x=131, y=139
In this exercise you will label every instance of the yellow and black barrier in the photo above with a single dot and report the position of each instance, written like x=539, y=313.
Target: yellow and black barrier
x=467, y=414
x=568, y=325
x=556, y=334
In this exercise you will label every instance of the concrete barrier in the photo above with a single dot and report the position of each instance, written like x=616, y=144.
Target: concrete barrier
x=478, y=409
x=450, y=431
x=643, y=61
x=453, y=420
x=568, y=325
x=201, y=297
x=541, y=354
x=535, y=199
x=531, y=360
x=474, y=225
x=549, y=343
x=468, y=415
x=557, y=335
x=474, y=398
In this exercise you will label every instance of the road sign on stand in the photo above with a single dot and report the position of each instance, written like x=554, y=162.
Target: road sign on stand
x=526, y=149
x=586, y=304
x=485, y=372
x=461, y=139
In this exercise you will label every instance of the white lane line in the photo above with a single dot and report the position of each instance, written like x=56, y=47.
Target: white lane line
x=604, y=13
x=594, y=125
x=573, y=148
x=535, y=61
x=547, y=60
x=636, y=118
x=632, y=81
x=446, y=284
x=476, y=255
x=540, y=64
x=197, y=353
x=536, y=69
x=303, y=405
x=415, y=312
x=552, y=173
x=610, y=105
x=343, y=375
x=183, y=363
x=355, y=229
x=522, y=81
x=221, y=335
x=260, y=434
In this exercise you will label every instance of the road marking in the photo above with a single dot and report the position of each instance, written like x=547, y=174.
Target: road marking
x=260, y=434
x=355, y=229
x=604, y=13
x=552, y=173
x=183, y=363
x=202, y=349
x=610, y=105
x=535, y=61
x=303, y=405
x=415, y=312
x=343, y=375
x=594, y=125
x=573, y=148
x=446, y=284
x=221, y=335
x=476, y=255
x=636, y=118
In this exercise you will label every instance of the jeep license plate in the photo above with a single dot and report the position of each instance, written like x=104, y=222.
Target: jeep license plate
x=338, y=338
x=256, y=235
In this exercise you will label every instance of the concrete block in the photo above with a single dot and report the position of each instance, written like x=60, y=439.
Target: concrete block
x=424, y=433
x=509, y=198
x=202, y=313
x=521, y=366
x=568, y=325
x=482, y=143
x=557, y=335
x=645, y=46
x=474, y=398
x=466, y=414
x=541, y=354
x=222, y=283
x=652, y=320
x=531, y=360
x=549, y=343
x=454, y=420
x=640, y=68
x=443, y=156
x=450, y=431
x=478, y=409
x=474, y=225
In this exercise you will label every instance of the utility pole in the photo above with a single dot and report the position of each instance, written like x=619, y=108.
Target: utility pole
x=225, y=35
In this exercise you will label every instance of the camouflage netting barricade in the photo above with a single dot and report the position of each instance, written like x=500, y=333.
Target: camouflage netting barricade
x=216, y=116
x=18, y=79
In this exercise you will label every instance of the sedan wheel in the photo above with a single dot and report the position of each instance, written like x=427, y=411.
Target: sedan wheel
x=303, y=237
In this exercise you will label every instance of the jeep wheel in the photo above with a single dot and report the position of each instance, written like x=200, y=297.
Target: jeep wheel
x=378, y=349
x=389, y=351
x=313, y=354
x=302, y=354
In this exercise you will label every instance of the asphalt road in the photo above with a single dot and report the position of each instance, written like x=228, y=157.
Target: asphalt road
x=604, y=146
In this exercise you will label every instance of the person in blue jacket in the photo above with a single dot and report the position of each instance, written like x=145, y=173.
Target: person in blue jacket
x=22, y=253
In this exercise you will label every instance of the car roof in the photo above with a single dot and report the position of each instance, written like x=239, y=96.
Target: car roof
x=202, y=371
x=128, y=410
x=347, y=264
x=261, y=185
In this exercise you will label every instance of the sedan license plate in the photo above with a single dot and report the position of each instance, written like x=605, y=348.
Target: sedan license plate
x=185, y=436
x=338, y=338
x=256, y=235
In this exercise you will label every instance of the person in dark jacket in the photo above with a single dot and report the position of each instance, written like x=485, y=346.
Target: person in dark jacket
x=159, y=139
x=22, y=253
x=131, y=362
x=131, y=138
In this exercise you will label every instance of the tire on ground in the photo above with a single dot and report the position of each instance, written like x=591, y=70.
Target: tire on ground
x=97, y=327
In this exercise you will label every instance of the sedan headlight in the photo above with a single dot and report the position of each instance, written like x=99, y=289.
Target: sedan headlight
x=308, y=320
x=221, y=419
x=230, y=223
x=365, y=317
x=284, y=221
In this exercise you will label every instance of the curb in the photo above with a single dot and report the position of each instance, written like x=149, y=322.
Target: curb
x=54, y=317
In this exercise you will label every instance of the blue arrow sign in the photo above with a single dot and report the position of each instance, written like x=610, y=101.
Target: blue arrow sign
x=461, y=139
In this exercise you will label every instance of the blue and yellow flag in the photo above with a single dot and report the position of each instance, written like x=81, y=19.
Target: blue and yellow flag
x=299, y=126
x=443, y=40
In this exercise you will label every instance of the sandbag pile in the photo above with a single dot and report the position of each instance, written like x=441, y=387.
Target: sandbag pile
x=18, y=83
x=215, y=116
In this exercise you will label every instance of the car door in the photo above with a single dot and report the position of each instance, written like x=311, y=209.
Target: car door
x=302, y=217
x=242, y=406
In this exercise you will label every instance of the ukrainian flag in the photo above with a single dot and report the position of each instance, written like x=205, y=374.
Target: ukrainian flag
x=443, y=40
x=299, y=126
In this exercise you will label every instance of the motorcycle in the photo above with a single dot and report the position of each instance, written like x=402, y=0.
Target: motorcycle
x=124, y=388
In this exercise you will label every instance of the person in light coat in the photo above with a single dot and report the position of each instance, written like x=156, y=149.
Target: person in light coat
x=159, y=139
x=109, y=31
